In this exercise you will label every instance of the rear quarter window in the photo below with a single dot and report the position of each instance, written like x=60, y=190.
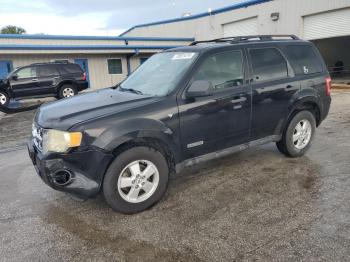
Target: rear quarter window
x=46, y=70
x=303, y=59
x=70, y=69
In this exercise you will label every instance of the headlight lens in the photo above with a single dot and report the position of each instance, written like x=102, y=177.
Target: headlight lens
x=60, y=141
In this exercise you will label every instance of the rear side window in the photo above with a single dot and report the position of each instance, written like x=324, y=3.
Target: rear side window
x=48, y=70
x=268, y=64
x=70, y=69
x=303, y=59
x=223, y=70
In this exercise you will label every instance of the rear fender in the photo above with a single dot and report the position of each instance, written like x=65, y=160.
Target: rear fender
x=300, y=98
x=65, y=82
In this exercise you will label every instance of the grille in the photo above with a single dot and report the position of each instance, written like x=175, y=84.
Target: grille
x=37, y=133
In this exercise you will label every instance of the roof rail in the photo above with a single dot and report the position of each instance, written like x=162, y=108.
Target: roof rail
x=236, y=39
x=52, y=62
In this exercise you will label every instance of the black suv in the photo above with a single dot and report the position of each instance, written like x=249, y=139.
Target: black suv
x=42, y=80
x=181, y=107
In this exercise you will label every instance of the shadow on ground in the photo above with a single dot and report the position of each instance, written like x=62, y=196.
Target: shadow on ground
x=16, y=107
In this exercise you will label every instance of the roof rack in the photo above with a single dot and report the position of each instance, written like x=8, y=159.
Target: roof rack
x=51, y=62
x=236, y=39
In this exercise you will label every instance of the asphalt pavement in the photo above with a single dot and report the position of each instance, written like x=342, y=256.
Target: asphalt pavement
x=253, y=205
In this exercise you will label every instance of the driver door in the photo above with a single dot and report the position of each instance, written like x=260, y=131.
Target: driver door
x=221, y=120
x=25, y=82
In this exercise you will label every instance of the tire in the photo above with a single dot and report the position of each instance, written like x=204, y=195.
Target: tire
x=124, y=192
x=67, y=91
x=298, y=135
x=4, y=99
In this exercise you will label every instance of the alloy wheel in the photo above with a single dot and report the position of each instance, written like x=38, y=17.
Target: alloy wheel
x=302, y=134
x=68, y=92
x=138, y=181
x=3, y=99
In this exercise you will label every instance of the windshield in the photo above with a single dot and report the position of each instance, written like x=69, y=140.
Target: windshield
x=159, y=75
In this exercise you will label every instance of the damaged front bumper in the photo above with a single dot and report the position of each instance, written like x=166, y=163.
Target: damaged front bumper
x=79, y=172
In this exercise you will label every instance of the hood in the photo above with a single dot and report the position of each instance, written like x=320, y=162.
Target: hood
x=65, y=113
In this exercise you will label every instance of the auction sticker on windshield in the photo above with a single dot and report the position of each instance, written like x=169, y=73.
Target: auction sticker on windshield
x=183, y=56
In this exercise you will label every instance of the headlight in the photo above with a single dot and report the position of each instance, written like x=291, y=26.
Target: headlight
x=60, y=141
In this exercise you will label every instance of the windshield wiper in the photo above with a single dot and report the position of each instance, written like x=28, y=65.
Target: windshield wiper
x=131, y=90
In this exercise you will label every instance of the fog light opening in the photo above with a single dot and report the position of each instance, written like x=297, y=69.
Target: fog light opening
x=62, y=177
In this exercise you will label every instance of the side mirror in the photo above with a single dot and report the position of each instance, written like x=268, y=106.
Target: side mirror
x=14, y=77
x=199, y=88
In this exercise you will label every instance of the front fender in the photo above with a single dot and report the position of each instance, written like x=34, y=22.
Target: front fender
x=131, y=129
x=5, y=87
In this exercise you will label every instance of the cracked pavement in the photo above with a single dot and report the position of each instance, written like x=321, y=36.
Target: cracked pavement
x=253, y=205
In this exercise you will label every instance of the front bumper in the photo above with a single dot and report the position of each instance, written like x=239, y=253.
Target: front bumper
x=87, y=169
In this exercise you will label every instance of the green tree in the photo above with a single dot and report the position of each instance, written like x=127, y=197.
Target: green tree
x=12, y=29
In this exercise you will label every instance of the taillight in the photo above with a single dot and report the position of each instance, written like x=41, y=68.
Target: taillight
x=328, y=86
x=84, y=76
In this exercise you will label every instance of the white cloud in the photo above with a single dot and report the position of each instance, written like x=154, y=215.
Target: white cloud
x=95, y=17
x=84, y=24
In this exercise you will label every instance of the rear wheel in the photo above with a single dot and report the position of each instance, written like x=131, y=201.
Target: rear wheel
x=136, y=180
x=67, y=91
x=4, y=99
x=297, y=137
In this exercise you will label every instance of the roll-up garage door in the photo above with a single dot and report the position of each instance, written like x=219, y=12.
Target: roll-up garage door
x=328, y=24
x=243, y=27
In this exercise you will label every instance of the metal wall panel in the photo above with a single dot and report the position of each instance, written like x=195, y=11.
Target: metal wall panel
x=243, y=27
x=291, y=13
x=98, y=69
x=327, y=24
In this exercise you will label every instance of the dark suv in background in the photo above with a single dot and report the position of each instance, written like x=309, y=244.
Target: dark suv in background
x=42, y=80
x=181, y=107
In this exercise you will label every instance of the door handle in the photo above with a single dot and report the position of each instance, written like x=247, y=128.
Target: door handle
x=35, y=80
x=237, y=100
x=289, y=86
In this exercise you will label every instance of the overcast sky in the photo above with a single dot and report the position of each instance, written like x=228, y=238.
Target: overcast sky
x=96, y=17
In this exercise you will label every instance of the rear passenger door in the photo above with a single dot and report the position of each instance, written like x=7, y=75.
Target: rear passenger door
x=47, y=78
x=273, y=85
x=308, y=66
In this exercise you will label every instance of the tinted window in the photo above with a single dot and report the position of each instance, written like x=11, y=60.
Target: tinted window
x=223, y=70
x=115, y=66
x=70, y=69
x=26, y=72
x=48, y=70
x=268, y=64
x=303, y=59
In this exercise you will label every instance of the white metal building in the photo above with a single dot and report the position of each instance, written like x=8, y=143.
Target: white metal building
x=106, y=60
x=325, y=22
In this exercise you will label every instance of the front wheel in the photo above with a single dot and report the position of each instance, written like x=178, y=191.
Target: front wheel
x=4, y=99
x=297, y=137
x=136, y=180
